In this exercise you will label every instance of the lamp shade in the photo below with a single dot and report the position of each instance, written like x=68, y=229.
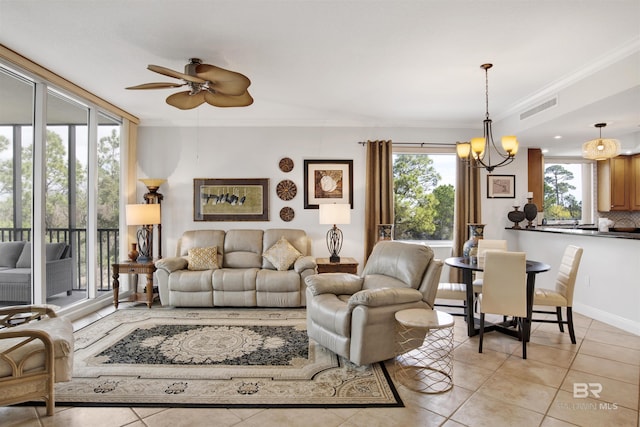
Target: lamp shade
x=152, y=182
x=143, y=214
x=335, y=213
x=600, y=149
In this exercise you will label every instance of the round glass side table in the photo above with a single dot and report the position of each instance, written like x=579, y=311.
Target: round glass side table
x=425, y=350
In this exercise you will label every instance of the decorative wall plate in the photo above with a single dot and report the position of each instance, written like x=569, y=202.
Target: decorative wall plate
x=286, y=189
x=286, y=164
x=287, y=214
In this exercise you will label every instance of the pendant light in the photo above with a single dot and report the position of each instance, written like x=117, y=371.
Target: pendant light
x=478, y=151
x=600, y=149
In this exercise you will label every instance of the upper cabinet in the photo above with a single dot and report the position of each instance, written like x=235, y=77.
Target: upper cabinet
x=618, y=187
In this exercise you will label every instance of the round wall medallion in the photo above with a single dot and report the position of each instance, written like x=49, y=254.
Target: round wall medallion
x=286, y=164
x=286, y=189
x=287, y=214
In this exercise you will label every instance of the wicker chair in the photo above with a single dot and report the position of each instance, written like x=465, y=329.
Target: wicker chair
x=36, y=350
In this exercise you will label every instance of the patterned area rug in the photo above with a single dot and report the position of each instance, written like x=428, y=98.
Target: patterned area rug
x=215, y=357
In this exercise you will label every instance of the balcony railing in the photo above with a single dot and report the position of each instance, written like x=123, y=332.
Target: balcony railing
x=106, y=252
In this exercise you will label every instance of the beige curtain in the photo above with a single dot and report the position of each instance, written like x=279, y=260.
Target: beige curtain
x=379, y=191
x=468, y=209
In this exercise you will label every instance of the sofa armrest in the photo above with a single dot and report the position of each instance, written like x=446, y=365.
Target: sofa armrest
x=172, y=264
x=304, y=263
x=334, y=283
x=384, y=296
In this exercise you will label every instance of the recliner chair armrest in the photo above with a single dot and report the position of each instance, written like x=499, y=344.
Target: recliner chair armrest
x=304, y=263
x=384, y=296
x=172, y=264
x=334, y=283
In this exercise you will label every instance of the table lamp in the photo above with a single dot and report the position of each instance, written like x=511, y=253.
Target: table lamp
x=145, y=215
x=334, y=213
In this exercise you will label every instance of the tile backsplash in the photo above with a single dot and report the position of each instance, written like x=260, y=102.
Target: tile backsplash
x=621, y=218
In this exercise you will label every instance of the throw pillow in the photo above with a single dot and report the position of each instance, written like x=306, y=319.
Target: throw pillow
x=9, y=253
x=203, y=258
x=282, y=254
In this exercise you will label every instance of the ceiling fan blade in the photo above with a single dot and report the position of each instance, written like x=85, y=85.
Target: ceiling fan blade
x=171, y=73
x=221, y=100
x=223, y=81
x=184, y=101
x=156, y=85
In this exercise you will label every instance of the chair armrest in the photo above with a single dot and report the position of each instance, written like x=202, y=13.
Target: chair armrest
x=334, y=283
x=19, y=314
x=384, y=296
x=304, y=263
x=172, y=264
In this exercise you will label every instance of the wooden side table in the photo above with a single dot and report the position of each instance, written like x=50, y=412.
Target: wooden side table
x=346, y=265
x=129, y=267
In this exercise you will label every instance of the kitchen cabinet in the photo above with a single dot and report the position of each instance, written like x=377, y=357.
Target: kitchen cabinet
x=635, y=182
x=618, y=187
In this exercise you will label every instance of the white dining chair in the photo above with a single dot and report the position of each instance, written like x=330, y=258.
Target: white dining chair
x=504, y=290
x=562, y=295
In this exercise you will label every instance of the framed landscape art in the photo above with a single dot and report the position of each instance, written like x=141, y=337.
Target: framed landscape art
x=233, y=199
x=327, y=181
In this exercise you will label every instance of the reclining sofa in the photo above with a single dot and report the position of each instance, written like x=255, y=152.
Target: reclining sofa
x=237, y=268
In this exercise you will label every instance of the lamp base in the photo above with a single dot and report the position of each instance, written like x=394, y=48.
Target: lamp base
x=334, y=258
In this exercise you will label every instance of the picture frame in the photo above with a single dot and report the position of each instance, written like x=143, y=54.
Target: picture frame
x=327, y=181
x=501, y=186
x=231, y=199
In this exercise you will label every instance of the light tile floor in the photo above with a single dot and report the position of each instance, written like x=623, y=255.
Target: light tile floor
x=495, y=388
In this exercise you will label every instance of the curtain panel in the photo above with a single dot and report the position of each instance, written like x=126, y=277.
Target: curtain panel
x=378, y=191
x=467, y=210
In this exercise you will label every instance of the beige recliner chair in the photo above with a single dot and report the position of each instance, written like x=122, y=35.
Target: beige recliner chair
x=353, y=316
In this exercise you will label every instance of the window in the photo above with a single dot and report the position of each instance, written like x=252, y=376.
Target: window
x=424, y=195
x=568, y=193
x=79, y=138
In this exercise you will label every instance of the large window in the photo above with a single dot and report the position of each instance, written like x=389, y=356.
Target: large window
x=424, y=202
x=78, y=145
x=568, y=191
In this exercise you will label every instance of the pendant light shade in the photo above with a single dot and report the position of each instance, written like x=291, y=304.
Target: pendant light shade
x=600, y=149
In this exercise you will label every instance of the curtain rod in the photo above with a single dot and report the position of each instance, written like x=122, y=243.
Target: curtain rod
x=421, y=144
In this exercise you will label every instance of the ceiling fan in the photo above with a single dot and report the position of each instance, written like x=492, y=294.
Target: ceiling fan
x=207, y=83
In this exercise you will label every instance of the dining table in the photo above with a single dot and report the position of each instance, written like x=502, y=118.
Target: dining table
x=468, y=267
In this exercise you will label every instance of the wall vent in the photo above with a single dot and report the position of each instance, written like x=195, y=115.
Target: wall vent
x=538, y=108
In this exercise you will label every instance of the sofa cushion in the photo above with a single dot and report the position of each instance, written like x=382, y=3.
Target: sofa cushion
x=282, y=255
x=243, y=249
x=53, y=252
x=203, y=258
x=9, y=253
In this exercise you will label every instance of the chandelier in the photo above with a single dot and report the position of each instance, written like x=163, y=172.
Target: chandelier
x=478, y=151
x=600, y=149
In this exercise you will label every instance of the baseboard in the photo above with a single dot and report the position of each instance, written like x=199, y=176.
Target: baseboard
x=608, y=318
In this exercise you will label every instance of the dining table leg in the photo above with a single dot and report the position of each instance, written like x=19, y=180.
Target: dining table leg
x=467, y=279
x=531, y=287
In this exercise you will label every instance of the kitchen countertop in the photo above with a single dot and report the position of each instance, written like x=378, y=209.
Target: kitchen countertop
x=580, y=232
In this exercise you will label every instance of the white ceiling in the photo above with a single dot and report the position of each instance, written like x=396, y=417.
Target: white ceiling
x=394, y=63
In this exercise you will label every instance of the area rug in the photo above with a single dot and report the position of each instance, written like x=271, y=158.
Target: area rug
x=215, y=358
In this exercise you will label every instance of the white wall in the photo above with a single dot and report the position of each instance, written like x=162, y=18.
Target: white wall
x=181, y=154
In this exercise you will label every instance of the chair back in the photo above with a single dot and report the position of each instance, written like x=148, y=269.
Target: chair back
x=568, y=271
x=405, y=262
x=504, y=290
x=486, y=244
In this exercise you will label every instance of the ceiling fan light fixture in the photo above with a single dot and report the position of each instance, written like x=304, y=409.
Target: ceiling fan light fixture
x=600, y=148
x=207, y=83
